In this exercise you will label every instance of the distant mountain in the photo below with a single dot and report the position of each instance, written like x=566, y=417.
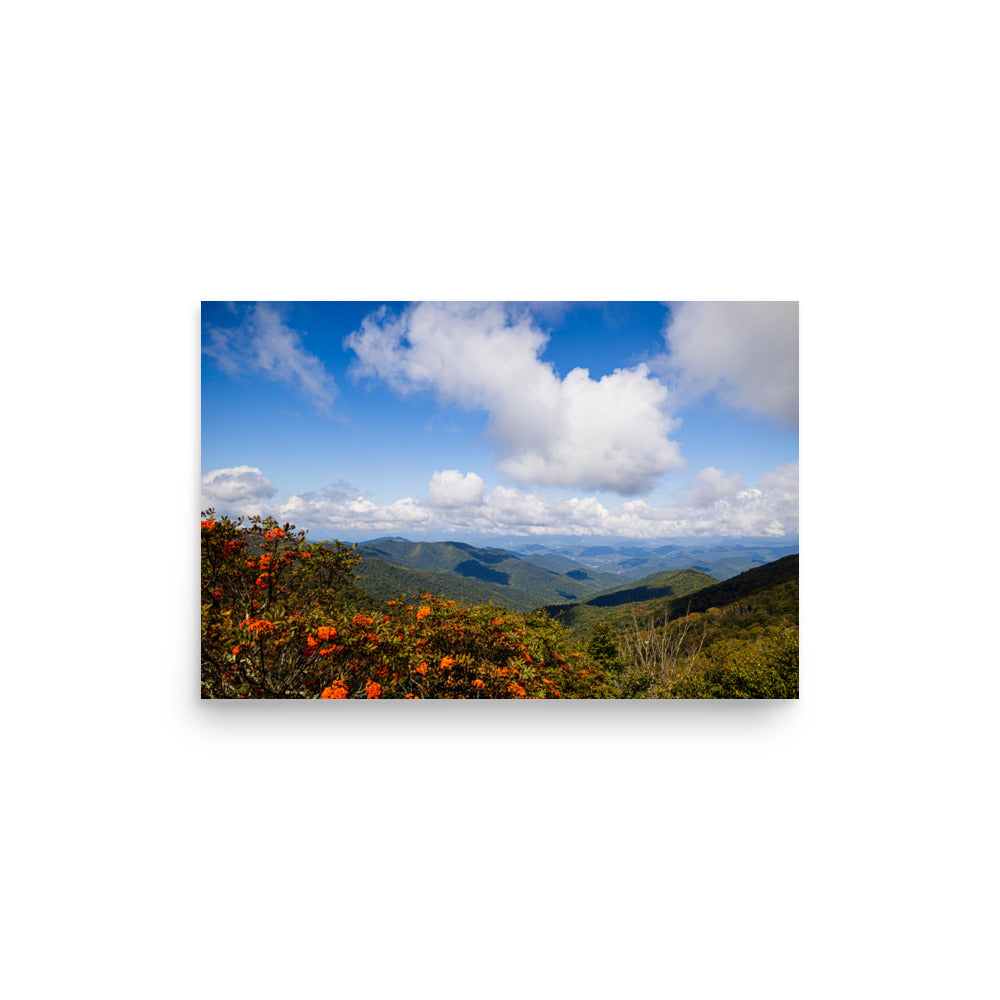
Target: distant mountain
x=634, y=562
x=508, y=578
x=576, y=571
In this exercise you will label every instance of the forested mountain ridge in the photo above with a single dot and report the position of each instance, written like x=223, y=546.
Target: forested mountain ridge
x=581, y=615
x=773, y=588
x=383, y=580
x=508, y=577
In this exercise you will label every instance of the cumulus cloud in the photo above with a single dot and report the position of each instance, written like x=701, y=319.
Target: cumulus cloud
x=264, y=344
x=608, y=434
x=747, y=352
x=242, y=489
x=715, y=504
x=451, y=489
x=711, y=485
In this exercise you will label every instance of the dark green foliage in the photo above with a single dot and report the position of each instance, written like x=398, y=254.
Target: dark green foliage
x=328, y=576
x=765, y=667
x=748, y=588
x=603, y=647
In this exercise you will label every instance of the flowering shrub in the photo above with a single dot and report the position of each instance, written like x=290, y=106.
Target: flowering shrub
x=282, y=619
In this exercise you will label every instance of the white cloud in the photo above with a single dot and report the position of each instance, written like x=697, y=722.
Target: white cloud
x=608, y=434
x=747, y=351
x=768, y=509
x=710, y=485
x=264, y=344
x=242, y=489
x=451, y=489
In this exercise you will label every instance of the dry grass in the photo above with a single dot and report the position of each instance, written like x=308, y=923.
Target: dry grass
x=657, y=656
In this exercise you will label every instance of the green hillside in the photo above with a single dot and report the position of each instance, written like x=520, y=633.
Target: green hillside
x=765, y=596
x=657, y=587
x=494, y=567
x=761, y=587
x=382, y=580
x=734, y=639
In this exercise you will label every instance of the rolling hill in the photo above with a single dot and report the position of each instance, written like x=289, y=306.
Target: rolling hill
x=766, y=595
x=463, y=571
x=655, y=587
x=384, y=581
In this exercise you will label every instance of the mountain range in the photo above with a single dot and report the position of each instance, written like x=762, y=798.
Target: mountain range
x=632, y=562
x=744, y=606
x=392, y=566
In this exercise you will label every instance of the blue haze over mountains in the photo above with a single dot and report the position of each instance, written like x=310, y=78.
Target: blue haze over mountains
x=632, y=560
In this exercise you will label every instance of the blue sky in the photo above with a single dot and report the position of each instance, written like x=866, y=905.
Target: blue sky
x=636, y=420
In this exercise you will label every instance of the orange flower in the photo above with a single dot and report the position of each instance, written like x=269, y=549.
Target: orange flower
x=516, y=690
x=477, y=683
x=258, y=625
x=390, y=602
x=208, y=525
x=423, y=613
x=311, y=642
x=447, y=662
x=273, y=534
x=336, y=690
x=450, y=603
x=413, y=696
x=422, y=669
x=218, y=593
x=373, y=689
x=362, y=620
x=326, y=632
x=236, y=650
